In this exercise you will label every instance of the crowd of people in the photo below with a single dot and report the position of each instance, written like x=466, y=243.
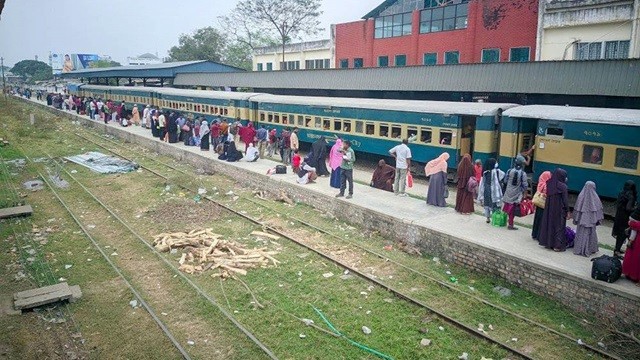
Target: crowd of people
x=485, y=184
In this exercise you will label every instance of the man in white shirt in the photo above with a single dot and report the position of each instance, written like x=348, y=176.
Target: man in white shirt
x=402, y=154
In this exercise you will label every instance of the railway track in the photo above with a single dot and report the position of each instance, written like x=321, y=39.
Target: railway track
x=395, y=291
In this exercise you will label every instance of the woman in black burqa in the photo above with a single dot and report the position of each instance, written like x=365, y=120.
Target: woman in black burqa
x=318, y=156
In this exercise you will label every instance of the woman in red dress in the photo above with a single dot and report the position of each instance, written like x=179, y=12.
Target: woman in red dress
x=631, y=263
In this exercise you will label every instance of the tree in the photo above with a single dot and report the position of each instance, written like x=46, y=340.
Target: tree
x=288, y=19
x=205, y=44
x=33, y=70
x=104, y=64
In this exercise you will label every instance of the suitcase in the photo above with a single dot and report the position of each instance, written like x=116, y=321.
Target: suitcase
x=606, y=268
x=281, y=169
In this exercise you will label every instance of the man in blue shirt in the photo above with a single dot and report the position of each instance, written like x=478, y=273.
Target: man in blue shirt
x=261, y=135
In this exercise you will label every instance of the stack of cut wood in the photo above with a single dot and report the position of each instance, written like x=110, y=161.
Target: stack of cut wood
x=203, y=250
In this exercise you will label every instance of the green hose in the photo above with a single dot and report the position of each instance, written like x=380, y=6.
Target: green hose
x=365, y=348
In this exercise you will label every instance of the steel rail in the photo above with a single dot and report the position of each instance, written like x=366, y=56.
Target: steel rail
x=201, y=292
x=381, y=256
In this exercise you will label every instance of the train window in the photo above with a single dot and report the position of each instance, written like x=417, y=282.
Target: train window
x=300, y=120
x=285, y=119
x=371, y=129
x=592, y=154
x=276, y=118
x=318, y=123
x=262, y=116
x=307, y=121
x=396, y=132
x=384, y=130
x=212, y=109
x=426, y=135
x=359, y=127
x=412, y=133
x=226, y=111
x=626, y=159
x=445, y=137
x=337, y=125
x=551, y=131
x=270, y=117
x=326, y=124
x=346, y=126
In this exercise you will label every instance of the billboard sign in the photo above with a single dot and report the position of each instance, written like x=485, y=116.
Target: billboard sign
x=64, y=63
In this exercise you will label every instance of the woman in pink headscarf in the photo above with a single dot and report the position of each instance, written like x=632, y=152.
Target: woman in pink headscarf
x=437, y=171
x=335, y=160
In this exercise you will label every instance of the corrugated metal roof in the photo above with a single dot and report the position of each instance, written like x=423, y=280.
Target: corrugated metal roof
x=380, y=8
x=431, y=107
x=604, y=77
x=153, y=70
x=577, y=114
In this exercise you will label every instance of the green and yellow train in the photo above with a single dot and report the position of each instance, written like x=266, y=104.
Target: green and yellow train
x=562, y=135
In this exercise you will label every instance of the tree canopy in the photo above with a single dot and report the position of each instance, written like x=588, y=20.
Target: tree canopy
x=284, y=19
x=104, y=64
x=204, y=44
x=33, y=70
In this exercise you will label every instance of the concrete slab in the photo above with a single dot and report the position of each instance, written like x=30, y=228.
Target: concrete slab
x=41, y=296
x=17, y=211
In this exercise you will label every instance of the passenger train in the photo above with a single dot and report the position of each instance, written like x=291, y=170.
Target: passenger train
x=591, y=143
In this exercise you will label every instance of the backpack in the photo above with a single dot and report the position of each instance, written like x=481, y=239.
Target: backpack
x=472, y=184
x=606, y=268
x=281, y=169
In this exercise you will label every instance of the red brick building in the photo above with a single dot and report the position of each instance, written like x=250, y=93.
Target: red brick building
x=430, y=32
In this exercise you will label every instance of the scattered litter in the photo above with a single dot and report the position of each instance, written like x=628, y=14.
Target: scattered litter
x=203, y=250
x=91, y=227
x=440, y=328
x=114, y=254
x=173, y=251
x=62, y=279
x=308, y=322
x=167, y=188
x=366, y=330
x=388, y=247
x=453, y=279
x=346, y=272
x=425, y=342
x=346, y=277
x=33, y=185
x=580, y=342
x=562, y=326
x=104, y=164
x=302, y=336
x=364, y=293
x=490, y=327
x=471, y=288
x=202, y=191
x=327, y=275
x=370, y=288
x=464, y=356
x=299, y=273
x=230, y=193
x=67, y=267
x=484, y=358
x=58, y=181
x=435, y=259
x=504, y=292
x=601, y=344
x=17, y=162
x=388, y=300
x=368, y=312
x=514, y=339
x=74, y=171
x=448, y=272
x=191, y=342
x=164, y=314
x=133, y=303
x=31, y=251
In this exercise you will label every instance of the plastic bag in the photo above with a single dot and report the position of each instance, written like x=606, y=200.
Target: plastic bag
x=499, y=218
x=409, y=180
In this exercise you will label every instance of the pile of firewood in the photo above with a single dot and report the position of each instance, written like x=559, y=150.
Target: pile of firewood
x=202, y=250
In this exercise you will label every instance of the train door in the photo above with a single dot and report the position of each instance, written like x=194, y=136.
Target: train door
x=527, y=138
x=467, y=136
x=253, y=112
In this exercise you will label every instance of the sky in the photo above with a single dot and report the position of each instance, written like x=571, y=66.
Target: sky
x=122, y=28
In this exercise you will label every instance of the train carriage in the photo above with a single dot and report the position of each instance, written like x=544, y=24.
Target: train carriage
x=592, y=144
x=376, y=125
x=130, y=95
x=208, y=104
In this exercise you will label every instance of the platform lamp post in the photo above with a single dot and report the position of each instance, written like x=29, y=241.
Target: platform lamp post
x=4, y=85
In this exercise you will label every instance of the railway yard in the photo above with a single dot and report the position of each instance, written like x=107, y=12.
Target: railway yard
x=323, y=286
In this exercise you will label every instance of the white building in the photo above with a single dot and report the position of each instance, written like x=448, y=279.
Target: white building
x=306, y=55
x=588, y=29
x=144, y=59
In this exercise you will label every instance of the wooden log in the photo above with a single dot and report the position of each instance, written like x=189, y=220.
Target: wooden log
x=183, y=258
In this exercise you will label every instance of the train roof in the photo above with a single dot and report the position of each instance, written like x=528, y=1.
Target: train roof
x=207, y=94
x=421, y=106
x=628, y=117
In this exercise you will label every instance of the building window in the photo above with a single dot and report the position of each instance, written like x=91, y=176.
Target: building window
x=269, y=66
x=393, y=25
x=443, y=18
x=317, y=64
x=327, y=63
x=430, y=59
x=290, y=65
x=401, y=60
x=626, y=159
x=383, y=61
x=344, y=63
x=520, y=54
x=309, y=64
x=490, y=55
x=358, y=62
x=616, y=49
x=588, y=51
x=260, y=67
x=452, y=57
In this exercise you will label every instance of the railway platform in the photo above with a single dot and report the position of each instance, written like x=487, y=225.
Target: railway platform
x=462, y=239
